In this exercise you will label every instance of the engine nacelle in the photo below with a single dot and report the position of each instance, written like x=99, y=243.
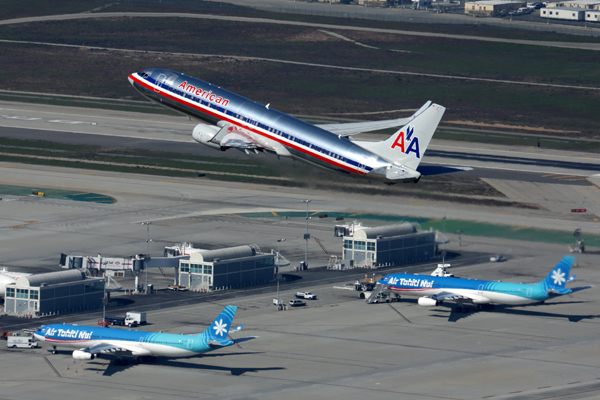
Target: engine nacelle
x=203, y=133
x=428, y=302
x=83, y=355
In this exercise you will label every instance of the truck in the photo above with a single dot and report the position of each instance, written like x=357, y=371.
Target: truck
x=21, y=342
x=306, y=296
x=177, y=288
x=131, y=319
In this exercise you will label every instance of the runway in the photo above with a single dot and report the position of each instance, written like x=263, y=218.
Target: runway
x=159, y=132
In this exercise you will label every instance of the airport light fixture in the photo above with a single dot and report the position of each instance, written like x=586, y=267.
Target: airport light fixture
x=307, y=235
x=444, y=244
x=147, y=223
x=277, y=273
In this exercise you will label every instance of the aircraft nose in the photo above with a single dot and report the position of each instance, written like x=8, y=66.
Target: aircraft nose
x=130, y=79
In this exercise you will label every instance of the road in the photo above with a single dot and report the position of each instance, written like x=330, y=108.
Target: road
x=67, y=17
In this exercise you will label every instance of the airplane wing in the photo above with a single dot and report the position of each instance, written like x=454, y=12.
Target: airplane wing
x=239, y=139
x=110, y=348
x=450, y=296
x=354, y=128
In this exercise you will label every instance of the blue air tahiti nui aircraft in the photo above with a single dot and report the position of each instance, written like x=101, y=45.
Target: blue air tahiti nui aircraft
x=232, y=121
x=93, y=341
x=435, y=290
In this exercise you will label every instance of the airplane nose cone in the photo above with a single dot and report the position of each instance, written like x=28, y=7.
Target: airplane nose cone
x=130, y=79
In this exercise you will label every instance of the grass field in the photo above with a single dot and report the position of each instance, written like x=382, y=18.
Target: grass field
x=301, y=89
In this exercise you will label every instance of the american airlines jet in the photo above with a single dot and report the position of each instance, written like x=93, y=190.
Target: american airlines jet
x=234, y=122
x=94, y=341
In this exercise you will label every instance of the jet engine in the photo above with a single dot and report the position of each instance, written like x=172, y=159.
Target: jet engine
x=203, y=133
x=5, y=280
x=428, y=302
x=83, y=355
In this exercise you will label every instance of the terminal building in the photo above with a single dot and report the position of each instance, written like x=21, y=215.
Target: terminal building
x=492, y=8
x=388, y=245
x=53, y=293
x=227, y=268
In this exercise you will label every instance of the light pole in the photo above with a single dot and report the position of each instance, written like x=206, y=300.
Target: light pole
x=147, y=223
x=307, y=235
x=277, y=273
x=444, y=244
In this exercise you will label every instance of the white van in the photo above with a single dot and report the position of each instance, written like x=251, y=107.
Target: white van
x=21, y=342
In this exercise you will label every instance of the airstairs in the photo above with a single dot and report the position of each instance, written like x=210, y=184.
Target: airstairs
x=377, y=292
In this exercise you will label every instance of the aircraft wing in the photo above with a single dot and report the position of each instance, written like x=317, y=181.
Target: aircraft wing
x=450, y=296
x=110, y=348
x=354, y=128
x=239, y=139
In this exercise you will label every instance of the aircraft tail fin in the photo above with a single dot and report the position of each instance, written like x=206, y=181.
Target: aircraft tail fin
x=407, y=146
x=559, y=276
x=219, y=329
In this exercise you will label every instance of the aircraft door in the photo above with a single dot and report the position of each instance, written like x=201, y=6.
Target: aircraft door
x=141, y=341
x=160, y=81
x=529, y=292
x=480, y=289
x=190, y=344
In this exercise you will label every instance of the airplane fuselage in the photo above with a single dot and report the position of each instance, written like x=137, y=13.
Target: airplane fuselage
x=481, y=292
x=140, y=342
x=280, y=133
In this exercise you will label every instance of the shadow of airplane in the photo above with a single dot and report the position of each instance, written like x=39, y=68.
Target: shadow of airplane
x=112, y=368
x=514, y=310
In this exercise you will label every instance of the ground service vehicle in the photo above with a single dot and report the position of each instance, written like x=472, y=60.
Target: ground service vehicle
x=21, y=342
x=297, y=303
x=177, y=288
x=132, y=318
x=306, y=296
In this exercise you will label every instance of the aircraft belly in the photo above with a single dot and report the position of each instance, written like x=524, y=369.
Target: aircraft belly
x=166, y=350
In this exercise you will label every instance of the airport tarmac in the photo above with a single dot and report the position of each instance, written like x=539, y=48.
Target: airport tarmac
x=340, y=347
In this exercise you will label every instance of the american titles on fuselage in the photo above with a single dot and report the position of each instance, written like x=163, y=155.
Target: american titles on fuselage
x=205, y=94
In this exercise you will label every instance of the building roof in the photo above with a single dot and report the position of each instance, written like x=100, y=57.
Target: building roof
x=225, y=254
x=385, y=231
x=574, y=9
x=51, y=278
x=496, y=2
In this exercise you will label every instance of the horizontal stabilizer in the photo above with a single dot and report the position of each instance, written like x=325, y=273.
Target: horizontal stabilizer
x=244, y=339
x=215, y=344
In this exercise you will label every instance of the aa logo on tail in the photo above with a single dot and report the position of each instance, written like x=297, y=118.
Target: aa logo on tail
x=413, y=146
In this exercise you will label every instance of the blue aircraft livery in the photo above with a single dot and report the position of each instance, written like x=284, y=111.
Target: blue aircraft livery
x=93, y=341
x=434, y=289
x=231, y=121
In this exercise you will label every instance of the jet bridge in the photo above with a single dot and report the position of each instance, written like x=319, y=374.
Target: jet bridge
x=119, y=266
